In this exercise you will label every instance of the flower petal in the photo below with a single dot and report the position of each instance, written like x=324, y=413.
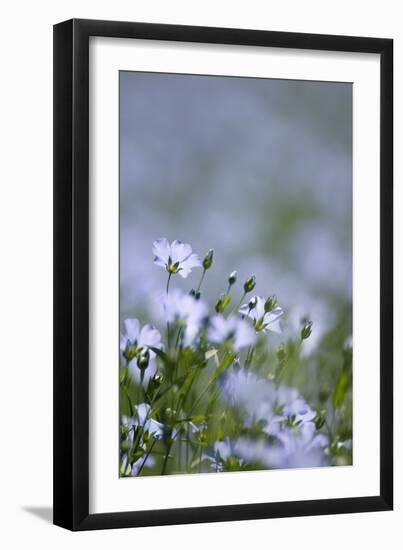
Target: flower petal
x=187, y=265
x=161, y=250
x=142, y=411
x=217, y=331
x=274, y=326
x=258, y=311
x=123, y=342
x=244, y=336
x=150, y=371
x=244, y=310
x=180, y=251
x=150, y=336
x=132, y=329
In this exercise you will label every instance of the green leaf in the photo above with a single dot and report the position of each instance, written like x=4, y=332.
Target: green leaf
x=199, y=418
x=224, y=363
x=138, y=453
x=165, y=358
x=188, y=381
x=340, y=390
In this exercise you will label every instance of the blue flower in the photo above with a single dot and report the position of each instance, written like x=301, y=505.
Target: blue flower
x=221, y=330
x=263, y=320
x=175, y=257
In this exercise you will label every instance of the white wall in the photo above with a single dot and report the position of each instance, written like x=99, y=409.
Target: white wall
x=26, y=279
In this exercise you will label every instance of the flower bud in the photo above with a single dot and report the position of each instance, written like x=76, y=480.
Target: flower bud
x=195, y=294
x=250, y=284
x=143, y=359
x=306, y=330
x=219, y=306
x=252, y=303
x=232, y=278
x=130, y=351
x=208, y=259
x=270, y=303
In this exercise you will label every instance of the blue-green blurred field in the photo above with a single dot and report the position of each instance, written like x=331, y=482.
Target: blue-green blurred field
x=261, y=171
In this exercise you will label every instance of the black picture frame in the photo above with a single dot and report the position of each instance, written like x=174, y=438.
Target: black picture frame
x=71, y=274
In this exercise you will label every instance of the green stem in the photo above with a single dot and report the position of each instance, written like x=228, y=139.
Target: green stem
x=168, y=281
x=167, y=291
x=236, y=307
x=249, y=356
x=200, y=458
x=178, y=336
x=146, y=457
x=139, y=433
x=187, y=447
x=201, y=280
x=164, y=466
x=200, y=397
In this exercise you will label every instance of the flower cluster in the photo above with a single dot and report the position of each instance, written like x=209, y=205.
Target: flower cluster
x=206, y=391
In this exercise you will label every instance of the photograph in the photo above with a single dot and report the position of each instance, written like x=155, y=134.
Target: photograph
x=236, y=234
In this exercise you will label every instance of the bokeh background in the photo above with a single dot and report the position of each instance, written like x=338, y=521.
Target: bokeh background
x=259, y=170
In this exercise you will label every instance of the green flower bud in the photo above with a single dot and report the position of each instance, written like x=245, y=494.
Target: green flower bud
x=130, y=350
x=250, y=284
x=208, y=259
x=252, y=303
x=143, y=359
x=270, y=303
x=306, y=330
x=219, y=306
x=232, y=278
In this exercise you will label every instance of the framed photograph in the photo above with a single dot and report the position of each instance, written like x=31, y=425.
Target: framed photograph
x=223, y=318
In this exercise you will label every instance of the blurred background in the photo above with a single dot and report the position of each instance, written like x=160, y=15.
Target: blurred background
x=259, y=170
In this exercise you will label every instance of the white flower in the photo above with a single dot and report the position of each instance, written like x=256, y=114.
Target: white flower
x=263, y=320
x=175, y=257
x=133, y=340
x=221, y=329
x=185, y=309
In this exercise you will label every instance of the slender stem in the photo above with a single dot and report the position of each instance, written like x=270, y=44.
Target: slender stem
x=200, y=396
x=146, y=457
x=201, y=280
x=178, y=336
x=167, y=291
x=238, y=304
x=187, y=447
x=164, y=466
x=200, y=458
x=168, y=281
x=140, y=432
